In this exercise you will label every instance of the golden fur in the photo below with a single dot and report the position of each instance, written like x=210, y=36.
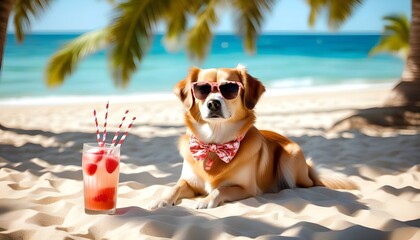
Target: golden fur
x=266, y=161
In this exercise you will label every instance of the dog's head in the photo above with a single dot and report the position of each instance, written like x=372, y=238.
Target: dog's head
x=217, y=95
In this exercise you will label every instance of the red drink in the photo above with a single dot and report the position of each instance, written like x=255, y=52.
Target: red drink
x=100, y=177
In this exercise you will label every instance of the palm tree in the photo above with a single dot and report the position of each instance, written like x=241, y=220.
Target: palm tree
x=406, y=92
x=24, y=11
x=396, y=37
x=402, y=106
x=5, y=9
x=129, y=35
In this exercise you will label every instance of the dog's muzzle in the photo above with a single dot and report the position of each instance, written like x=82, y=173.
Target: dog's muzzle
x=215, y=108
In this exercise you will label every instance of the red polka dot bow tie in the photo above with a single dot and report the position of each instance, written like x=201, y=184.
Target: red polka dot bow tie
x=226, y=151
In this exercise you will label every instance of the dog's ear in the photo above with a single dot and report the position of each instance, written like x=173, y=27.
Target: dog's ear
x=183, y=88
x=253, y=89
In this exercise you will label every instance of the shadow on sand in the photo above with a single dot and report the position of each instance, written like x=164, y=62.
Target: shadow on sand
x=336, y=154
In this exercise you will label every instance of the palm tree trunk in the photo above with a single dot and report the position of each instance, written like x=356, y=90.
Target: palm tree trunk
x=407, y=91
x=5, y=9
x=402, y=106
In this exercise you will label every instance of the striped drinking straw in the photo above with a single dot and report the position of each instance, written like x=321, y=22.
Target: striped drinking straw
x=114, y=140
x=126, y=132
x=106, y=119
x=98, y=137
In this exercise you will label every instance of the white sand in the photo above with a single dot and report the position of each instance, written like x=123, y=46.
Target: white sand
x=41, y=195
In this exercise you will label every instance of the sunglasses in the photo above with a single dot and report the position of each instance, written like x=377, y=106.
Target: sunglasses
x=229, y=90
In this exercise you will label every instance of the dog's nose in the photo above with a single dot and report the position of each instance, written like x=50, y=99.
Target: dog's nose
x=214, y=105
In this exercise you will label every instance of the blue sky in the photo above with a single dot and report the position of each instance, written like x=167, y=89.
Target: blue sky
x=287, y=15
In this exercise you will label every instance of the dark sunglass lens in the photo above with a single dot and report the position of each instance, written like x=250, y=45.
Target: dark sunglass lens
x=202, y=90
x=229, y=90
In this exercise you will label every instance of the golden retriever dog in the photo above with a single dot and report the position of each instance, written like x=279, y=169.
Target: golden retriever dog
x=226, y=158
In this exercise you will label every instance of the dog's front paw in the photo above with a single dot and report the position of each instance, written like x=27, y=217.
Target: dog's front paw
x=159, y=203
x=206, y=203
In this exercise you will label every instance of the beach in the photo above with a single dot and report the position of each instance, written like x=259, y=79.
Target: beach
x=41, y=182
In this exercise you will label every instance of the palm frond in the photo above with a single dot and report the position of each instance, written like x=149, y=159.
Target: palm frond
x=176, y=22
x=176, y=17
x=65, y=61
x=398, y=24
x=249, y=19
x=338, y=11
x=133, y=29
x=24, y=11
x=200, y=36
x=395, y=38
x=315, y=8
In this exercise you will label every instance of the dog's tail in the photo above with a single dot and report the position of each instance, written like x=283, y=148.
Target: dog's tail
x=329, y=181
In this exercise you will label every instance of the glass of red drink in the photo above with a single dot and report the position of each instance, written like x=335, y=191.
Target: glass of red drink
x=101, y=168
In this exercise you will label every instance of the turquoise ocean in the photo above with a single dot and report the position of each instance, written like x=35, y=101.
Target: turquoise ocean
x=283, y=62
